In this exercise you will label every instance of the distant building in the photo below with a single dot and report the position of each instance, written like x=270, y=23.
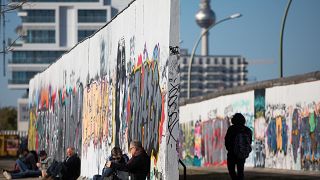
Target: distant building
x=211, y=73
x=49, y=28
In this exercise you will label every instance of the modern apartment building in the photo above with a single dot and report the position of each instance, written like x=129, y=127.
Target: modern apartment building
x=211, y=73
x=49, y=28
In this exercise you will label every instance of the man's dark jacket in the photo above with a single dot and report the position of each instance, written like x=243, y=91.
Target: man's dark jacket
x=72, y=167
x=231, y=135
x=138, y=166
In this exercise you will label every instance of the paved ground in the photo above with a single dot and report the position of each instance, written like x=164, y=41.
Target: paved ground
x=8, y=164
x=219, y=173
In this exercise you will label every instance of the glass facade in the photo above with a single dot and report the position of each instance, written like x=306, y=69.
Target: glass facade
x=84, y=33
x=22, y=77
x=40, y=36
x=91, y=16
x=42, y=16
x=35, y=57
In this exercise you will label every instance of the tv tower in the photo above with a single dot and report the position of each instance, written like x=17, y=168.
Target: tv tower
x=205, y=18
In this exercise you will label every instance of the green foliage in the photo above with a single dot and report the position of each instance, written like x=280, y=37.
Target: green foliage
x=8, y=118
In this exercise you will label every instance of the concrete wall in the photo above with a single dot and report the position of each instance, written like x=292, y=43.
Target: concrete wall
x=284, y=116
x=118, y=85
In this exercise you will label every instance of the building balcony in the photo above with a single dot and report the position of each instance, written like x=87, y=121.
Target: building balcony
x=18, y=81
x=18, y=84
x=38, y=19
x=32, y=61
x=27, y=67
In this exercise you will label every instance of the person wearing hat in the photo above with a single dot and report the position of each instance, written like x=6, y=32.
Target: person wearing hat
x=44, y=163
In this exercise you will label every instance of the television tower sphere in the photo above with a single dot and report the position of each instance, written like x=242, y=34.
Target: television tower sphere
x=205, y=16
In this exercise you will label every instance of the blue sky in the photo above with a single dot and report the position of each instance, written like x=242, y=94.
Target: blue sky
x=256, y=36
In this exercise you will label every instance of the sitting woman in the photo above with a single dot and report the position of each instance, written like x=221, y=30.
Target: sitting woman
x=118, y=157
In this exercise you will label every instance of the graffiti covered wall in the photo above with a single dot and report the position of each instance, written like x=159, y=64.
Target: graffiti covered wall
x=285, y=121
x=203, y=128
x=119, y=85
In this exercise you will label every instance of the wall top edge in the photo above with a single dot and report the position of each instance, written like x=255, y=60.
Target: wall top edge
x=302, y=78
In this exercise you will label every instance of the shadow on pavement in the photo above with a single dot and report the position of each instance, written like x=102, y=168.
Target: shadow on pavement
x=248, y=176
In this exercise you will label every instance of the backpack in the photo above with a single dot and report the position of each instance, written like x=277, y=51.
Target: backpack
x=242, y=145
x=55, y=169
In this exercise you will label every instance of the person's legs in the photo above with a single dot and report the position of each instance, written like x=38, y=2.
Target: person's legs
x=19, y=175
x=231, y=168
x=22, y=166
x=33, y=173
x=27, y=173
x=240, y=169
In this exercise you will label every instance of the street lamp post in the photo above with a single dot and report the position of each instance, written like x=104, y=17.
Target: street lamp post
x=281, y=37
x=237, y=15
x=5, y=8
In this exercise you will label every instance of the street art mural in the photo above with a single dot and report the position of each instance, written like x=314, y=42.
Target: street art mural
x=201, y=141
x=119, y=85
x=62, y=108
x=259, y=128
x=285, y=121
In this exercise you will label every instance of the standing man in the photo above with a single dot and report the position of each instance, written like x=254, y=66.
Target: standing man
x=238, y=144
x=138, y=166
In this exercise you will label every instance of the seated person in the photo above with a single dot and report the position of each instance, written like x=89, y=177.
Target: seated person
x=71, y=165
x=44, y=163
x=69, y=169
x=117, y=157
x=26, y=165
x=138, y=166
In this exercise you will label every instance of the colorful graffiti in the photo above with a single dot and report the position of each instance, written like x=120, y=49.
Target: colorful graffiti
x=107, y=91
x=104, y=113
x=286, y=133
x=145, y=108
x=214, y=132
x=259, y=128
x=55, y=120
x=186, y=143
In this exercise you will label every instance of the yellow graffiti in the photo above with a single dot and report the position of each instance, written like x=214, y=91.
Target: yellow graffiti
x=279, y=132
x=32, y=131
x=95, y=113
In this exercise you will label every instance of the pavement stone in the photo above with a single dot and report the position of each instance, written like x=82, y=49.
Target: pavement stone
x=221, y=173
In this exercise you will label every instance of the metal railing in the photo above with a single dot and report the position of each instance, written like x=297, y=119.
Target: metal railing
x=184, y=169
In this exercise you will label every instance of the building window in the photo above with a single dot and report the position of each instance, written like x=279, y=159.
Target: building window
x=223, y=61
x=22, y=77
x=239, y=60
x=35, y=57
x=84, y=33
x=40, y=36
x=208, y=60
x=200, y=60
x=231, y=60
x=184, y=60
x=42, y=16
x=215, y=61
x=88, y=16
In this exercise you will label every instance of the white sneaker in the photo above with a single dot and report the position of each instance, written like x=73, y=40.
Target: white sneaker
x=7, y=175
